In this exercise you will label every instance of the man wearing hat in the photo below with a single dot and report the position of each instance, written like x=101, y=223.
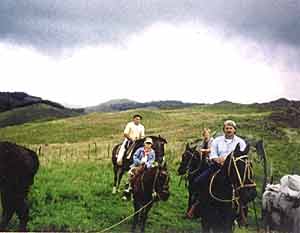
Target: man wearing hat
x=225, y=144
x=134, y=130
x=144, y=157
x=221, y=147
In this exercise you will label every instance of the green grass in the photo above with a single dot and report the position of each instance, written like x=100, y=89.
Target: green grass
x=72, y=190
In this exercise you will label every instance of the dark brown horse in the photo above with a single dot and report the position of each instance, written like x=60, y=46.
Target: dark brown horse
x=226, y=191
x=18, y=167
x=151, y=186
x=191, y=165
x=119, y=170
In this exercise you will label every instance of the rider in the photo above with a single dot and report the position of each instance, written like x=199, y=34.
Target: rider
x=144, y=157
x=134, y=130
x=204, y=146
x=221, y=147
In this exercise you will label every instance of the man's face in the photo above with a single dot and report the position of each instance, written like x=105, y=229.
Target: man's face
x=229, y=130
x=137, y=120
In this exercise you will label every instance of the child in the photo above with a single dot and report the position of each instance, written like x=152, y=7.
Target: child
x=144, y=157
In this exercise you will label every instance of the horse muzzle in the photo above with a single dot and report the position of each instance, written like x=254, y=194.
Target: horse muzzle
x=164, y=195
x=248, y=194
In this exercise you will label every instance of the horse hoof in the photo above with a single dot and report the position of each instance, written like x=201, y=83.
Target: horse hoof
x=114, y=191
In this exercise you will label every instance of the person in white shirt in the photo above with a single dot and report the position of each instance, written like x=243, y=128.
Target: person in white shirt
x=134, y=130
x=221, y=147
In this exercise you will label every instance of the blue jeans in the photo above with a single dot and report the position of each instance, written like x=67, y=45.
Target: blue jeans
x=200, y=179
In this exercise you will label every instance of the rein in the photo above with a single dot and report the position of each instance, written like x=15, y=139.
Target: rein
x=188, y=171
x=247, y=174
x=154, y=193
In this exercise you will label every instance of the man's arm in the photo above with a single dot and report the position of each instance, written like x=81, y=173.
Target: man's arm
x=142, y=135
x=214, y=150
x=127, y=132
x=214, y=155
x=243, y=144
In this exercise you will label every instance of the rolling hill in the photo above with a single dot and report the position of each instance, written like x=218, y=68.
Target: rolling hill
x=72, y=191
x=126, y=104
x=19, y=108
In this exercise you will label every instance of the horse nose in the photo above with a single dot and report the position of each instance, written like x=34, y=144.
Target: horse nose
x=248, y=195
x=180, y=171
x=252, y=194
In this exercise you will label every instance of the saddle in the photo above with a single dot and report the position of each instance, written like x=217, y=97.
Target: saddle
x=128, y=149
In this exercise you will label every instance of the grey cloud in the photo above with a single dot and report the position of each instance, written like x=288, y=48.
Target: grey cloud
x=56, y=24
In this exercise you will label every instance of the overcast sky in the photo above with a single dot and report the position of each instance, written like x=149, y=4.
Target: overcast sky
x=87, y=52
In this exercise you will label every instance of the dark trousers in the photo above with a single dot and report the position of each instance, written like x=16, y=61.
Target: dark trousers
x=204, y=175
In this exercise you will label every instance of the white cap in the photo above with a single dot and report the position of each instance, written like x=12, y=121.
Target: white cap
x=148, y=140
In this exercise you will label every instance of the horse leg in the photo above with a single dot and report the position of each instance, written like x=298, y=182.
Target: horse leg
x=8, y=209
x=115, y=179
x=22, y=210
x=205, y=225
x=190, y=200
x=144, y=217
x=135, y=217
x=120, y=176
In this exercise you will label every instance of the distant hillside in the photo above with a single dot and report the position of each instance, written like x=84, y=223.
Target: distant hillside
x=284, y=112
x=126, y=104
x=18, y=108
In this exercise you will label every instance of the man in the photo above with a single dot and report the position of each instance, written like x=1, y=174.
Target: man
x=225, y=144
x=133, y=131
x=144, y=157
x=221, y=147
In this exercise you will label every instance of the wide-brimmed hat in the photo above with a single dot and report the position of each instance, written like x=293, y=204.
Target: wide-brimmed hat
x=148, y=140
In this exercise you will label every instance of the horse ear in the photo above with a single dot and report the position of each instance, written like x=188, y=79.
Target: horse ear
x=187, y=147
x=159, y=136
x=237, y=150
x=247, y=149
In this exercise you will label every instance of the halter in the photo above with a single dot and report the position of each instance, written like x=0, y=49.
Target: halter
x=189, y=163
x=248, y=172
x=154, y=182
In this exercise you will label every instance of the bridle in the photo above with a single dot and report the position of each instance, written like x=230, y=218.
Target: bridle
x=159, y=147
x=157, y=173
x=248, y=173
x=188, y=166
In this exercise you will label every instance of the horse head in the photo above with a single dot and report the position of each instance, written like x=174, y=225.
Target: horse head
x=186, y=159
x=161, y=185
x=159, y=147
x=239, y=169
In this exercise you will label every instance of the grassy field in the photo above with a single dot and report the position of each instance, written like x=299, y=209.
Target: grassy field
x=72, y=190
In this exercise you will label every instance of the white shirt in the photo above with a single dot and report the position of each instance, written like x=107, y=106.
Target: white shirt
x=223, y=147
x=134, y=131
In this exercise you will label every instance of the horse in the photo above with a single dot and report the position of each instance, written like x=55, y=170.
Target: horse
x=192, y=163
x=227, y=192
x=18, y=166
x=151, y=186
x=119, y=170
